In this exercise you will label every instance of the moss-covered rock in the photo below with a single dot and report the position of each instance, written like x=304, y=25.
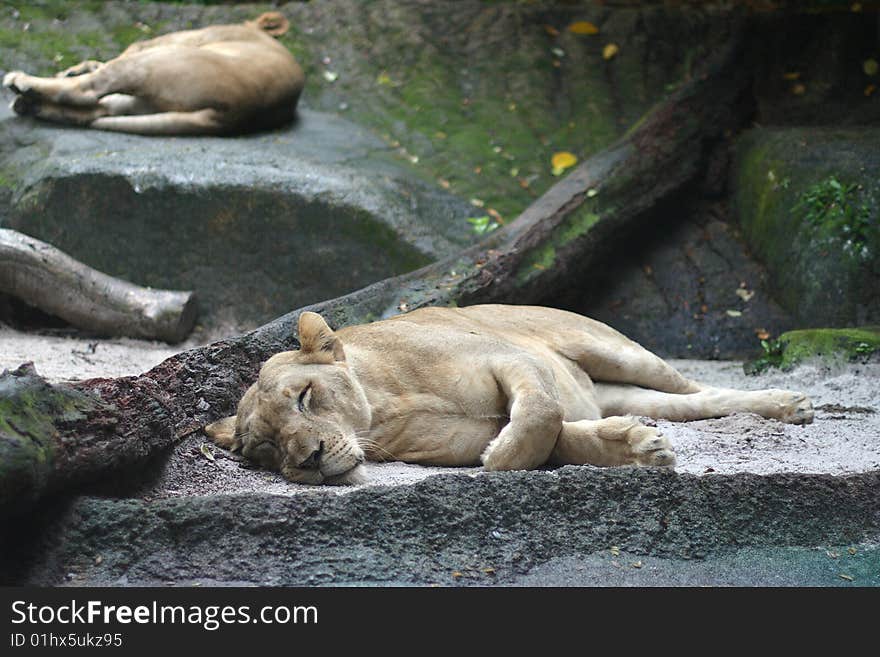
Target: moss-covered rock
x=808, y=201
x=31, y=412
x=832, y=346
x=475, y=95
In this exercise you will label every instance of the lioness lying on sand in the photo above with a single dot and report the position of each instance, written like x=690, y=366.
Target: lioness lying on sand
x=216, y=80
x=511, y=387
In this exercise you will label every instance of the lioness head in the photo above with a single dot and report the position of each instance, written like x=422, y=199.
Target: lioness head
x=302, y=415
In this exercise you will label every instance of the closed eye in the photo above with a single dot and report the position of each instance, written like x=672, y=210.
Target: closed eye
x=303, y=402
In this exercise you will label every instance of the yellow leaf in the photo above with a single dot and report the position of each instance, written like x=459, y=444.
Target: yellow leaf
x=562, y=161
x=794, y=75
x=583, y=27
x=870, y=67
x=871, y=88
x=799, y=89
x=610, y=51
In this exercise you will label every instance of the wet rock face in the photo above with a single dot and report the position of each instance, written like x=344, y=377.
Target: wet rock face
x=807, y=201
x=255, y=225
x=686, y=288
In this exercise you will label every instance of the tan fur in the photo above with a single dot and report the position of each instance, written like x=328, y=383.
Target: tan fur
x=215, y=80
x=511, y=387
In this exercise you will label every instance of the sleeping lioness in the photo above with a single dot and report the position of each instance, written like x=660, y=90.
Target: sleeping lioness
x=511, y=387
x=216, y=80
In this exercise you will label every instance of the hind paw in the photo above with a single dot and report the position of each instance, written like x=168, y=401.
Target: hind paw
x=797, y=409
x=786, y=405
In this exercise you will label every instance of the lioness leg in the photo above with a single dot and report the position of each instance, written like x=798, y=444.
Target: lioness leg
x=535, y=418
x=611, y=441
x=80, y=90
x=82, y=116
x=205, y=122
x=791, y=407
x=607, y=355
x=112, y=105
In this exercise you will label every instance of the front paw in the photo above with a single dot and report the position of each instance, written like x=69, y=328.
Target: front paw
x=649, y=447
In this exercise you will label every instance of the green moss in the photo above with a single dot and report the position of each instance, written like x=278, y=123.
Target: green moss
x=835, y=210
x=575, y=225
x=30, y=411
x=536, y=262
x=829, y=345
x=808, y=201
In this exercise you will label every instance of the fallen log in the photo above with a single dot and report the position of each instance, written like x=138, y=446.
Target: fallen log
x=121, y=422
x=45, y=277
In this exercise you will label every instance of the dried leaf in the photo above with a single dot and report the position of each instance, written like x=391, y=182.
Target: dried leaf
x=799, y=89
x=592, y=192
x=848, y=578
x=870, y=66
x=744, y=294
x=637, y=564
x=583, y=27
x=762, y=333
x=562, y=161
x=610, y=51
x=206, y=452
x=489, y=570
x=615, y=550
x=456, y=574
x=831, y=554
x=331, y=76
x=870, y=89
x=792, y=75
x=851, y=550
x=478, y=203
x=733, y=313
x=552, y=31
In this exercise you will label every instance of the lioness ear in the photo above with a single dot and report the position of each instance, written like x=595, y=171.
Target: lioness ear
x=318, y=340
x=272, y=23
x=222, y=432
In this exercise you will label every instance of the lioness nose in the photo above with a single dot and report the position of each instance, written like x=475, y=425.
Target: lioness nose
x=314, y=459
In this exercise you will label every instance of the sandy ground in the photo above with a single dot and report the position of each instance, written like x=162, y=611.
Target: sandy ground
x=844, y=438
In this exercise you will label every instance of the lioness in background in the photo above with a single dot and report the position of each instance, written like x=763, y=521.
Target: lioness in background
x=511, y=387
x=216, y=80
